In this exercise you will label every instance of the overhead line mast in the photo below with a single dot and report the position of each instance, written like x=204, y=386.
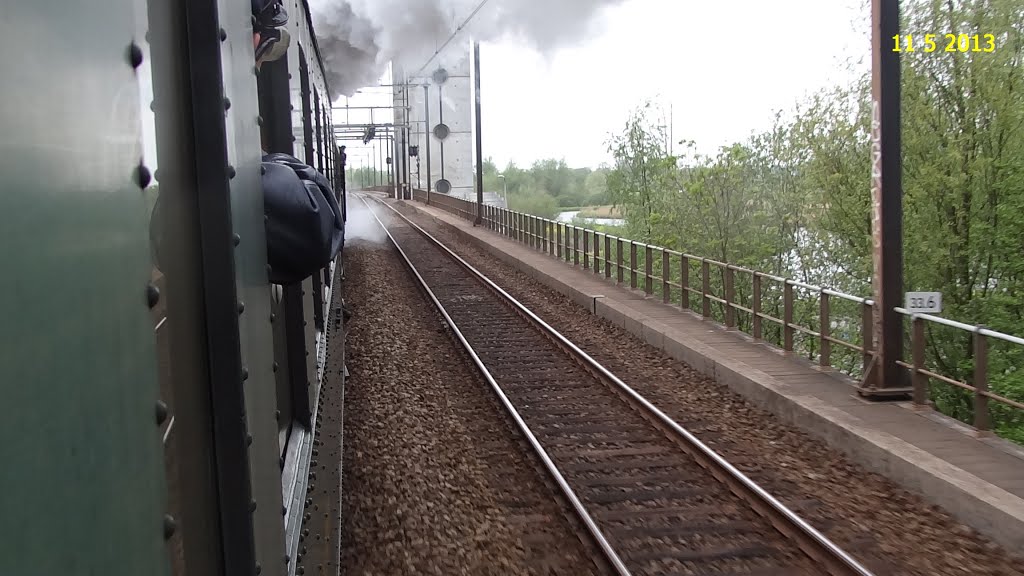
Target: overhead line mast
x=884, y=377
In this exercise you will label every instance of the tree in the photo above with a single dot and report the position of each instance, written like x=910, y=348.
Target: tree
x=795, y=199
x=595, y=187
x=643, y=172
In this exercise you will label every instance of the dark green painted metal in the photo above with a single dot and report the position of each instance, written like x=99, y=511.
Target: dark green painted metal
x=81, y=479
x=255, y=328
x=220, y=296
x=192, y=481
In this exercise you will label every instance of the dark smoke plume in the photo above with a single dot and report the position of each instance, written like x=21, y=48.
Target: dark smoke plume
x=359, y=37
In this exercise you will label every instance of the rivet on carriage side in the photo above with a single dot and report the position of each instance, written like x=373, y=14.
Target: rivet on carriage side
x=223, y=34
x=134, y=55
x=236, y=239
x=169, y=526
x=152, y=295
x=142, y=176
x=161, y=412
x=231, y=172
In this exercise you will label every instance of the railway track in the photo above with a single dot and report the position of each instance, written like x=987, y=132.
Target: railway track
x=653, y=497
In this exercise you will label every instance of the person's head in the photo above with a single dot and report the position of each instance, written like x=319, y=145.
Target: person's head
x=269, y=38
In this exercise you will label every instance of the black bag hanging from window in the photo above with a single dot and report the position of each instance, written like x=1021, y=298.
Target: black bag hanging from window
x=304, y=223
x=304, y=226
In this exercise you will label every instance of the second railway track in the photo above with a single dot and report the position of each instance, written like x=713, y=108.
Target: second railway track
x=655, y=499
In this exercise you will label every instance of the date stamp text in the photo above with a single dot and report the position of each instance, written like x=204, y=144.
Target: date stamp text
x=952, y=42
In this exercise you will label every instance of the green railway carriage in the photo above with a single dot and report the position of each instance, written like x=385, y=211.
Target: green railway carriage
x=159, y=414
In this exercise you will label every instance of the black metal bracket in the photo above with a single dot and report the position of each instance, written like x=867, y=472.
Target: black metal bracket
x=226, y=373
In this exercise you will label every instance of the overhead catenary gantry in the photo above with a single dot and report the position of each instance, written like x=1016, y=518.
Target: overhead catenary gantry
x=377, y=137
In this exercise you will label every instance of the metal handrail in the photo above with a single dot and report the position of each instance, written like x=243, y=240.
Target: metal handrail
x=537, y=232
x=960, y=325
x=562, y=241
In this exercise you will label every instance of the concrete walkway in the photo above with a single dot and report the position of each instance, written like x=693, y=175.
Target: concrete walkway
x=979, y=480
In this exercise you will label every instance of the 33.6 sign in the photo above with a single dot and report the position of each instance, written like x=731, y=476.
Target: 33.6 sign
x=924, y=302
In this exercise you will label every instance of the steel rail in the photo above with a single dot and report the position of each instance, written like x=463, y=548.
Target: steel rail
x=610, y=555
x=810, y=540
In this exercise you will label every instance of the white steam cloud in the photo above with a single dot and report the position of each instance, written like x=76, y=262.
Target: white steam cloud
x=359, y=37
x=361, y=225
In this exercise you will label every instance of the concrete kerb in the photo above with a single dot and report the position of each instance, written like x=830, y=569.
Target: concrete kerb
x=987, y=508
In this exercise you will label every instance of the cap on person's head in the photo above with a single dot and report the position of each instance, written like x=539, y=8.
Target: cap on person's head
x=268, y=14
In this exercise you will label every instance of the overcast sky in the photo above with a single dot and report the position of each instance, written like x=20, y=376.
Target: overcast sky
x=724, y=66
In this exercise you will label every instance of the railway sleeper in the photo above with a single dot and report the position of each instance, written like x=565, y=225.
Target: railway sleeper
x=647, y=495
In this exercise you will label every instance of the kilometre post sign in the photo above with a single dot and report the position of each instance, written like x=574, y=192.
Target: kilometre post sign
x=924, y=302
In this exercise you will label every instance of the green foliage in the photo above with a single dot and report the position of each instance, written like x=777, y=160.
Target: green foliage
x=795, y=200
x=537, y=203
x=547, y=179
x=643, y=177
x=365, y=177
x=596, y=187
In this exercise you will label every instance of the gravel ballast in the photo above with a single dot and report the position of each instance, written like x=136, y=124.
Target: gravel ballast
x=434, y=480
x=888, y=528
